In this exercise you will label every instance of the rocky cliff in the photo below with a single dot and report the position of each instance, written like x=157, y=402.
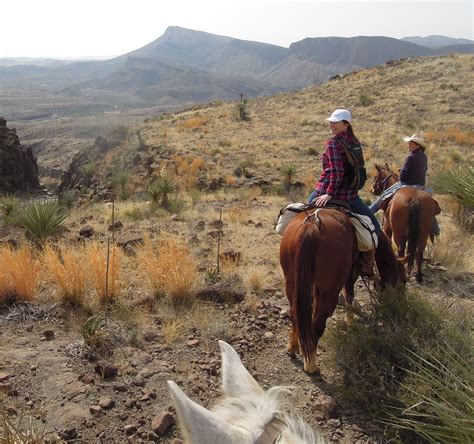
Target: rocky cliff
x=18, y=168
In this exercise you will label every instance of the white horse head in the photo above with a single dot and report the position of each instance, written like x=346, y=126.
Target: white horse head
x=245, y=414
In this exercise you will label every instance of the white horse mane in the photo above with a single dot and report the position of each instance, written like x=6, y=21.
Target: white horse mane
x=245, y=414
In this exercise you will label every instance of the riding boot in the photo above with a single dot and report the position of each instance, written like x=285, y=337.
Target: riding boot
x=366, y=263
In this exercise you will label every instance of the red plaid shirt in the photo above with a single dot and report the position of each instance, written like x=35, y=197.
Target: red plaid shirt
x=332, y=180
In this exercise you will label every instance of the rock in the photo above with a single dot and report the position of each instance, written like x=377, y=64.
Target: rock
x=151, y=336
x=324, y=408
x=87, y=378
x=130, y=429
x=192, y=343
x=269, y=336
x=48, y=334
x=117, y=225
x=86, y=231
x=68, y=434
x=162, y=422
x=106, y=370
x=95, y=409
x=119, y=387
x=129, y=403
x=4, y=376
x=106, y=403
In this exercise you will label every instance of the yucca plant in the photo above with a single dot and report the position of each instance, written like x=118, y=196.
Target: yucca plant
x=458, y=182
x=8, y=205
x=68, y=198
x=41, y=219
x=440, y=396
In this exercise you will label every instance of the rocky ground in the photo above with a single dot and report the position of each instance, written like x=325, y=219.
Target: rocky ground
x=46, y=373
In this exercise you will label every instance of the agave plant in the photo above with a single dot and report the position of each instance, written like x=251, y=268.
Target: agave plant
x=41, y=219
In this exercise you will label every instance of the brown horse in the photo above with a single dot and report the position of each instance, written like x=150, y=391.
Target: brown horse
x=408, y=217
x=318, y=255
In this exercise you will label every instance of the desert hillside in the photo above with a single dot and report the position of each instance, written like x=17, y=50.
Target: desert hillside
x=162, y=242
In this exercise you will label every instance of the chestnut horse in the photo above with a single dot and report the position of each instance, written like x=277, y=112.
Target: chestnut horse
x=408, y=218
x=318, y=255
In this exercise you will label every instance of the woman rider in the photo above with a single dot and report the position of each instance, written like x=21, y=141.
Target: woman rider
x=412, y=173
x=334, y=182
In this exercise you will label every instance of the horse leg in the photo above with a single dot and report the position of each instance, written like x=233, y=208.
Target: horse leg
x=422, y=240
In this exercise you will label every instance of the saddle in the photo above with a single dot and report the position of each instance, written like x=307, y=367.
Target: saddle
x=366, y=236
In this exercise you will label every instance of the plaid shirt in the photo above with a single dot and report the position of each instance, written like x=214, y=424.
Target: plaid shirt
x=332, y=180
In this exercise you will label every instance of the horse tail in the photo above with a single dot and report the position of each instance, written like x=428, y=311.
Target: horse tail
x=305, y=287
x=413, y=230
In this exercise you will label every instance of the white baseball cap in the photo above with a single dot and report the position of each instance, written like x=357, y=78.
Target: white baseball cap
x=417, y=139
x=339, y=115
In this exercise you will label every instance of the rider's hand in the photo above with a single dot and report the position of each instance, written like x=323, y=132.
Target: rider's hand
x=321, y=201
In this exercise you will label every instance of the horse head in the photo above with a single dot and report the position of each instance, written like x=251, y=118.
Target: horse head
x=384, y=179
x=245, y=414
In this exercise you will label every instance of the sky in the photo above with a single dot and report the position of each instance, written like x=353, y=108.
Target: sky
x=105, y=28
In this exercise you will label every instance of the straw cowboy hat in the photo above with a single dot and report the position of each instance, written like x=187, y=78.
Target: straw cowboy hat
x=417, y=139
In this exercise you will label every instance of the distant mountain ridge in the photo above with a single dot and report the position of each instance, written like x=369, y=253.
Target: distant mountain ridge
x=185, y=66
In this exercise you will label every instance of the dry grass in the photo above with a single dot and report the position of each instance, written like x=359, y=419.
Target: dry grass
x=168, y=267
x=454, y=248
x=19, y=274
x=106, y=283
x=173, y=329
x=66, y=266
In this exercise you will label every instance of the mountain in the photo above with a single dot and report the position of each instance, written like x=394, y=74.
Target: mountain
x=184, y=66
x=435, y=41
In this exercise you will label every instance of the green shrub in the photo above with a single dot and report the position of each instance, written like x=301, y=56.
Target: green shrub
x=41, y=219
x=68, y=198
x=372, y=353
x=8, y=205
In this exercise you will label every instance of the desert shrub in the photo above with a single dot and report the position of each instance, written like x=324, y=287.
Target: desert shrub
x=105, y=282
x=120, y=182
x=176, y=204
x=242, y=111
x=372, y=353
x=88, y=170
x=66, y=267
x=41, y=219
x=437, y=397
x=365, y=100
x=8, y=205
x=134, y=213
x=19, y=274
x=168, y=268
x=68, y=198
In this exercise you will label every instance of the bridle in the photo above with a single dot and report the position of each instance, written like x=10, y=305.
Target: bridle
x=383, y=183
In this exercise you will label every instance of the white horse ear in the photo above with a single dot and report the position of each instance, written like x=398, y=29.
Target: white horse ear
x=198, y=424
x=236, y=380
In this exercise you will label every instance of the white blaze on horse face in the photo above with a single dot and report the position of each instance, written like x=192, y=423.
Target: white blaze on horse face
x=236, y=380
x=198, y=424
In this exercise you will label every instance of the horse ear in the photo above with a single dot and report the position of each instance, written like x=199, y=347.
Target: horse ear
x=198, y=424
x=236, y=380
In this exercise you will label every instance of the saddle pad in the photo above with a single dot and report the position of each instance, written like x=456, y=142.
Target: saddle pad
x=365, y=232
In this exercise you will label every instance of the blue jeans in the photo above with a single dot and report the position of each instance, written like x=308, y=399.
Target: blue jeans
x=357, y=206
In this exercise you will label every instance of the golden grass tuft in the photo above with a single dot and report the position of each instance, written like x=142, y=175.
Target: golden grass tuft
x=19, y=274
x=194, y=123
x=168, y=267
x=68, y=272
x=107, y=286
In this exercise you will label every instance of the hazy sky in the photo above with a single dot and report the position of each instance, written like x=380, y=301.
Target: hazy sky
x=70, y=28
